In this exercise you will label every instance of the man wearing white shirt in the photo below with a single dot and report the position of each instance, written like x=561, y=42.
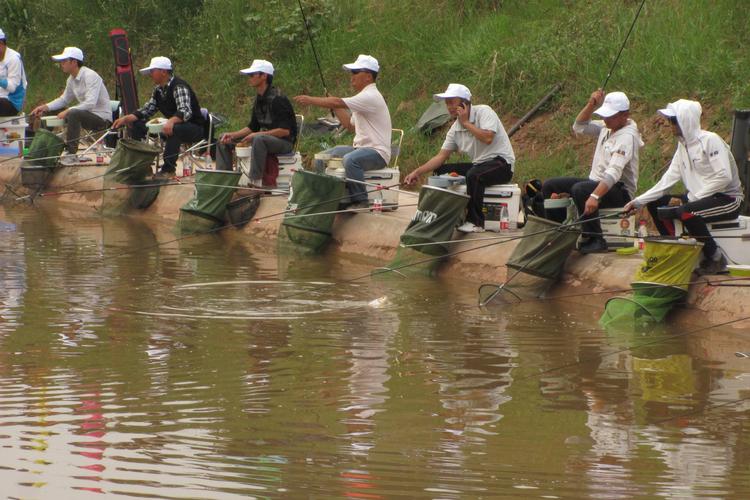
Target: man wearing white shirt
x=93, y=111
x=12, y=79
x=478, y=133
x=613, y=178
x=370, y=121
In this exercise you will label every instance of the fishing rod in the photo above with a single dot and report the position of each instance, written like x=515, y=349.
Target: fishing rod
x=538, y=252
x=80, y=137
x=312, y=44
x=313, y=205
x=177, y=182
x=219, y=228
x=705, y=282
x=385, y=270
x=617, y=58
x=335, y=212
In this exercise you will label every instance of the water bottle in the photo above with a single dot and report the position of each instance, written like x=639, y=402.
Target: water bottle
x=377, y=205
x=642, y=234
x=186, y=172
x=504, y=219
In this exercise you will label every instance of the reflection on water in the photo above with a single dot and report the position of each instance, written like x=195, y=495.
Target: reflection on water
x=204, y=368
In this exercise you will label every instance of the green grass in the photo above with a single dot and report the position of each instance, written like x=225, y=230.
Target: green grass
x=509, y=52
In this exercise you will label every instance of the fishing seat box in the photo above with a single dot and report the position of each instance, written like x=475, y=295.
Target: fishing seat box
x=12, y=135
x=494, y=198
x=733, y=236
x=620, y=231
x=381, y=177
x=288, y=164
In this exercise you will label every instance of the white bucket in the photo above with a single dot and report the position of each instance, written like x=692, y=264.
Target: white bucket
x=53, y=121
x=156, y=125
x=12, y=134
x=243, y=151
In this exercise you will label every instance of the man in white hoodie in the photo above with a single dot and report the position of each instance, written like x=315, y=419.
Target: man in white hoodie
x=613, y=179
x=705, y=165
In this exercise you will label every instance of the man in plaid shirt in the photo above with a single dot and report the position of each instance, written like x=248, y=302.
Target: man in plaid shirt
x=176, y=101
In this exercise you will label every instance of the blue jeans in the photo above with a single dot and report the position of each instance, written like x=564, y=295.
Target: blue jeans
x=356, y=162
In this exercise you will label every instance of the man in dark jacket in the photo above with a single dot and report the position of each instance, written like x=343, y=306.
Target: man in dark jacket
x=177, y=102
x=272, y=128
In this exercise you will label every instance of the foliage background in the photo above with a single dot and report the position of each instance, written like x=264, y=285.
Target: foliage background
x=509, y=52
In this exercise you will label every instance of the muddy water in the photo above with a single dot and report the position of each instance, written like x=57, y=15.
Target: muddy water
x=206, y=368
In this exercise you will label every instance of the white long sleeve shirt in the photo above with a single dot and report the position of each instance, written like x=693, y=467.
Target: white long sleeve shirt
x=87, y=88
x=11, y=69
x=617, y=153
x=702, y=161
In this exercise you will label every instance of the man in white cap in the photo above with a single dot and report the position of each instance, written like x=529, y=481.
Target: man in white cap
x=706, y=167
x=370, y=121
x=93, y=111
x=272, y=128
x=12, y=79
x=613, y=178
x=477, y=132
x=178, y=103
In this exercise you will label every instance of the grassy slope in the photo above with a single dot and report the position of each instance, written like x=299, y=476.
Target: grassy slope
x=509, y=52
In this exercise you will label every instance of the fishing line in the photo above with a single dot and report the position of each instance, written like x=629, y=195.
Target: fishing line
x=703, y=410
x=312, y=205
x=538, y=252
x=312, y=44
x=385, y=270
x=85, y=136
x=628, y=349
x=609, y=74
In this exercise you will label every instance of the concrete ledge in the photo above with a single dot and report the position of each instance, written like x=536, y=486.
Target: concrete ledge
x=376, y=236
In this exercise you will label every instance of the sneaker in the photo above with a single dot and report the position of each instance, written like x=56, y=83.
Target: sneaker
x=164, y=174
x=711, y=266
x=469, y=227
x=73, y=159
x=593, y=245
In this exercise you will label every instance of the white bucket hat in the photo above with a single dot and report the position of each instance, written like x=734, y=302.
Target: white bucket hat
x=158, y=62
x=69, y=53
x=614, y=103
x=364, y=62
x=259, y=65
x=2, y=34
x=454, y=90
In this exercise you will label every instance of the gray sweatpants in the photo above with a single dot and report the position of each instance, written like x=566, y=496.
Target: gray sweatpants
x=262, y=145
x=80, y=118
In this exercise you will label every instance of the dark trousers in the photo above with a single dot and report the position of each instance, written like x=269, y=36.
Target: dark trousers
x=478, y=177
x=580, y=190
x=75, y=120
x=694, y=216
x=182, y=133
x=7, y=108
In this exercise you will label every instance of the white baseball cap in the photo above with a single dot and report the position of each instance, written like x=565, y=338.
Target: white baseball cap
x=614, y=103
x=364, y=62
x=158, y=62
x=669, y=111
x=259, y=65
x=454, y=90
x=69, y=53
x=2, y=34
